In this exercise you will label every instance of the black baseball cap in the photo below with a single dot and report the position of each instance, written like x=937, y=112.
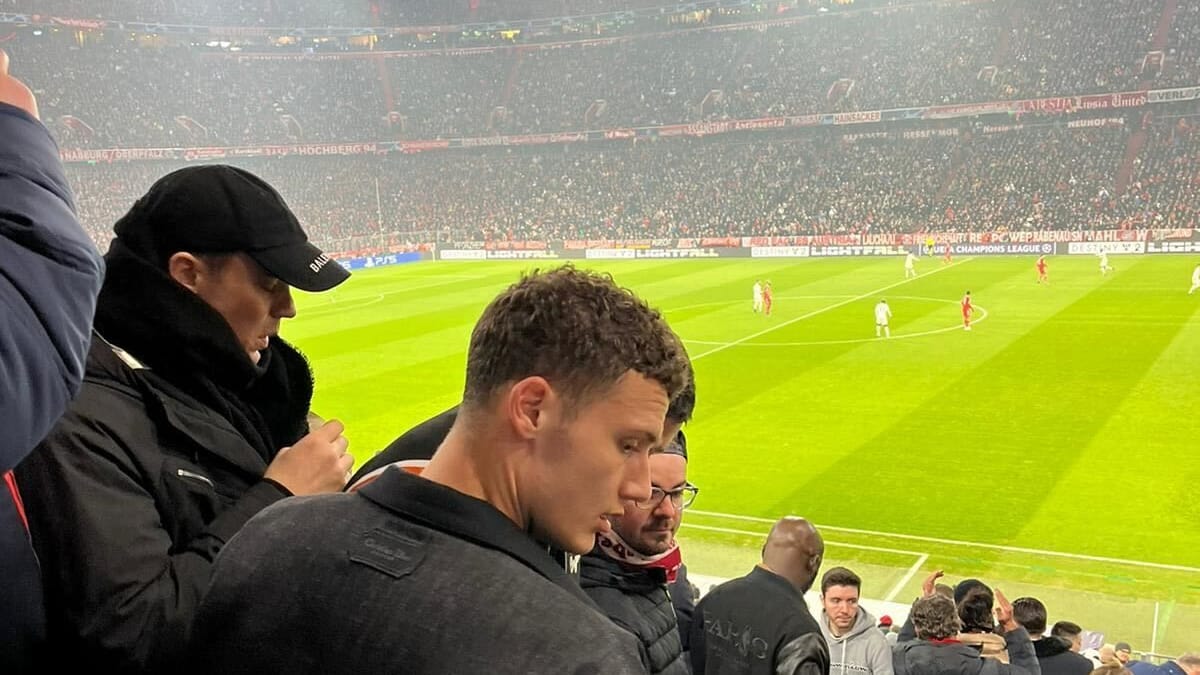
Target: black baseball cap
x=216, y=208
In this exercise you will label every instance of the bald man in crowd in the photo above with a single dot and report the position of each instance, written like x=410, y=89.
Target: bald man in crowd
x=759, y=624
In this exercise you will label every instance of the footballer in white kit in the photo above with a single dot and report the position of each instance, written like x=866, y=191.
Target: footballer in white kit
x=758, y=298
x=882, y=314
x=1195, y=280
x=910, y=262
x=1105, y=268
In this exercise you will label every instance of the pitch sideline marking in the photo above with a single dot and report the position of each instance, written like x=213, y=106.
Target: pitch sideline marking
x=958, y=542
x=860, y=547
x=912, y=572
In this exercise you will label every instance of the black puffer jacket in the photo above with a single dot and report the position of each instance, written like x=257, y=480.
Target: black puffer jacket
x=1056, y=658
x=637, y=601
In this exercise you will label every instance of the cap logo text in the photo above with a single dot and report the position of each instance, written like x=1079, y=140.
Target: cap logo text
x=320, y=262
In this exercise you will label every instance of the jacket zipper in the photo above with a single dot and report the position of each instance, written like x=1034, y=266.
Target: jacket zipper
x=184, y=473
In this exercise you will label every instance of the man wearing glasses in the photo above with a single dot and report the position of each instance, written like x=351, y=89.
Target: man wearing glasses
x=628, y=572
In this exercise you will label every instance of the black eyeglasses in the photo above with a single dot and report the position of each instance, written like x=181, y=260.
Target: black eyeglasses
x=681, y=498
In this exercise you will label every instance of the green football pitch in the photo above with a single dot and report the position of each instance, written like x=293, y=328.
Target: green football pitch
x=1050, y=450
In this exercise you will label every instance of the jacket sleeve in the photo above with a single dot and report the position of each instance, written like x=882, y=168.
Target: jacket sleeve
x=120, y=586
x=617, y=662
x=879, y=654
x=696, y=646
x=1021, y=655
x=50, y=274
x=804, y=655
x=685, y=606
x=908, y=632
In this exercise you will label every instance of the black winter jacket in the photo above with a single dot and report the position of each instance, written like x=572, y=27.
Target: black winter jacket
x=1055, y=657
x=157, y=463
x=637, y=601
x=922, y=657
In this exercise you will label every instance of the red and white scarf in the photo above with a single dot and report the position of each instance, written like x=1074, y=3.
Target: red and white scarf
x=616, y=548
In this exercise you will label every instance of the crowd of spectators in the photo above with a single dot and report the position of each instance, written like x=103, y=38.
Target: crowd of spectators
x=1050, y=54
x=158, y=92
x=919, y=55
x=1035, y=177
x=558, y=88
x=1181, y=59
x=1165, y=185
x=448, y=96
x=326, y=12
x=470, y=11
x=208, y=12
x=663, y=189
x=181, y=97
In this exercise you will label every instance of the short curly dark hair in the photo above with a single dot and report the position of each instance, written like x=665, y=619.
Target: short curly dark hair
x=577, y=329
x=935, y=618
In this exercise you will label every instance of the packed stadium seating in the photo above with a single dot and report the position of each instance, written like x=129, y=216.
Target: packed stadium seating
x=318, y=13
x=185, y=94
x=982, y=178
x=160, y=92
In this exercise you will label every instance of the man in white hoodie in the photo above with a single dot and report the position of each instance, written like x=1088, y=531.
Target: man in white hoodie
x=856, y=647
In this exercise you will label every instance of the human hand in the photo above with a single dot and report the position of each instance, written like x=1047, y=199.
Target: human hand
x=1004, y=612
x=928, y=586
x=317, y=463
x=13, y=91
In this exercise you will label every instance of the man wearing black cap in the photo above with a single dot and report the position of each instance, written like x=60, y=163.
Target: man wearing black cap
x=192, y=418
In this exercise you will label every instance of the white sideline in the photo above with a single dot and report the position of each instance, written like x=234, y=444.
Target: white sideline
x=861, y=547
x=912, y=572
x=957, y=542
x=710, y=581
x=822, y=310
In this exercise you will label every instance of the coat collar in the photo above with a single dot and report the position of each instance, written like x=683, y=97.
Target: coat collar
x=454, y=513
x=210, y=432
